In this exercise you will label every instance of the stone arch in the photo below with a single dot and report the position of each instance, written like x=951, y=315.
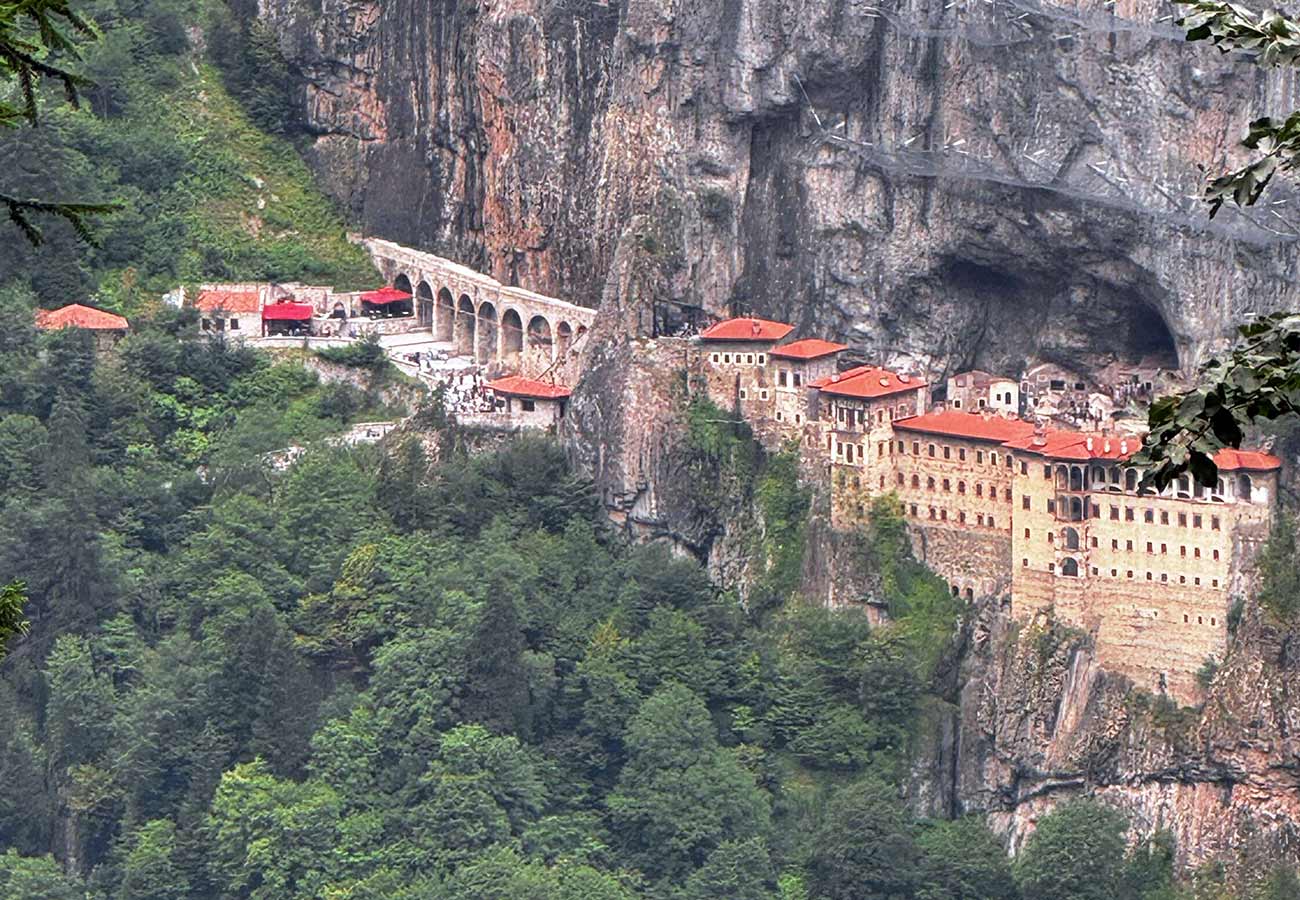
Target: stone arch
x=1076, y=478
x=541, y=342
x=403, y=283
x=424, y=304
x=512, y=335
x=563, y=340
x=970, y=595
x=1070, y=567
x=1062, y=478
x=488, y=332
x=1070, y=538
x=444, y=328
x=465, y=325
x=1074, y=510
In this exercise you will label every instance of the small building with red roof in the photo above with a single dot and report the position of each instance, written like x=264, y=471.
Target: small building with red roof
x=793, y=369
x=106, y=327
x=529, y=403
x=237, y=311
x=735, y=355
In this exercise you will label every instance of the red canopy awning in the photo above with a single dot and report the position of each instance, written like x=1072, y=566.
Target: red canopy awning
x=294, y=312
x=384, y=295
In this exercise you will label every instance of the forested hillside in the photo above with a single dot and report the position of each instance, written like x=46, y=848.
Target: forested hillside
x=359, y=678
x=208, y=188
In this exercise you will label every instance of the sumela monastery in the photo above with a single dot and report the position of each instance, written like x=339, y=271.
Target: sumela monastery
x=1012, y=487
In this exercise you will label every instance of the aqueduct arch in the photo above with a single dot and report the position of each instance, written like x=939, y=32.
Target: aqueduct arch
x=482, y=317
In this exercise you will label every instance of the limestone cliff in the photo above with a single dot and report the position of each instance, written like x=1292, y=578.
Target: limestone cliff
x=1038, y=722
x=957, y=182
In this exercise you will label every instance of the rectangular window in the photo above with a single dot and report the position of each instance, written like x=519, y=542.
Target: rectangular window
x=1024, y=502
x=1128, y=514
x=1216, y=555
x=1164, y=517
x=1148, y=516
x=762, y=361
x=749, y=358
x=798, y=379
x=1128, y=545
x=1026, y=534
x=1047, y=472
x=1182, y=520
x=715, y=358
x=1182, y=551
x=763, y=394
x=1196, y=553
x=1006, y=494
x=1094, y=543
x=1114, y=544
x=744, y=395
x=913, y=509
x=1214, y=523
x=900, y=447
x=931, y=450
x=946, y=484
x=947, y=452
x=961, y=517
x=1051, y=567
x=1024, y=468
x=726, y=358
x=1024, y=563
x=234, y=324
x=1196, y=521
x=1051, y=505
x=916, y=448
x=1164, y=549
x=782, y=378
x=528, y=405
x=1114, y=513
x=1151, y=548
x=961, y=453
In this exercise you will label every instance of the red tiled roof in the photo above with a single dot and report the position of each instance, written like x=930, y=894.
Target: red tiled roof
x=867, y=382
x=1078, y=445
x=809, y=348
x=384, y=295
x=518, y=386
x=1231, y=460
x=293, y=312
x=230, y=301
x=77, y=316
x=747, y=330
x=970, y=425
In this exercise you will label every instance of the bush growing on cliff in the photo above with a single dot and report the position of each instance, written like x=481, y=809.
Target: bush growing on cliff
x=1279, y=589
x=1076, y=853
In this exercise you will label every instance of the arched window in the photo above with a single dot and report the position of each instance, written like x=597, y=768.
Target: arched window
x=1071, y=539
x=1070, y=568
x=961, y=487
x=916, y=481
x=1076, y=478
x=1130, y=479
x=1062, y=478
x=929, y=484
x=1243, y=487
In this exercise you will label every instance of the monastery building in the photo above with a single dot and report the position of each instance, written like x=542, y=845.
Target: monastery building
x=1000, y=506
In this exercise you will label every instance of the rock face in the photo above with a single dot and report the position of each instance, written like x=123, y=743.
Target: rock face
x=959, y=183
x=1038, y=722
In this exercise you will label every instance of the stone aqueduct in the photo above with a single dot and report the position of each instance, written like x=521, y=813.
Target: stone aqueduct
x=485, y=319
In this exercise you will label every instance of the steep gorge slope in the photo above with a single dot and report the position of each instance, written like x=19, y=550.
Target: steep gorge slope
x=957, y=182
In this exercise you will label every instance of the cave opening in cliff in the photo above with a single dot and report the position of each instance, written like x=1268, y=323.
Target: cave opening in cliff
x=1149, y=340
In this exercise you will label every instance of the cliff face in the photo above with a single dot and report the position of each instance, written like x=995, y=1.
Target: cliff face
x=964, y=183
x=1038, y=722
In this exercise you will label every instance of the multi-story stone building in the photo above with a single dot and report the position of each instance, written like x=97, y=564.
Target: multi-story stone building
x=1055, y=520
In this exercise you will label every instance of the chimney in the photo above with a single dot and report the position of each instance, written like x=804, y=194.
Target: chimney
x=754, y=327
x=1105, y=447
x=1123, y=447
x=1089, y=443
